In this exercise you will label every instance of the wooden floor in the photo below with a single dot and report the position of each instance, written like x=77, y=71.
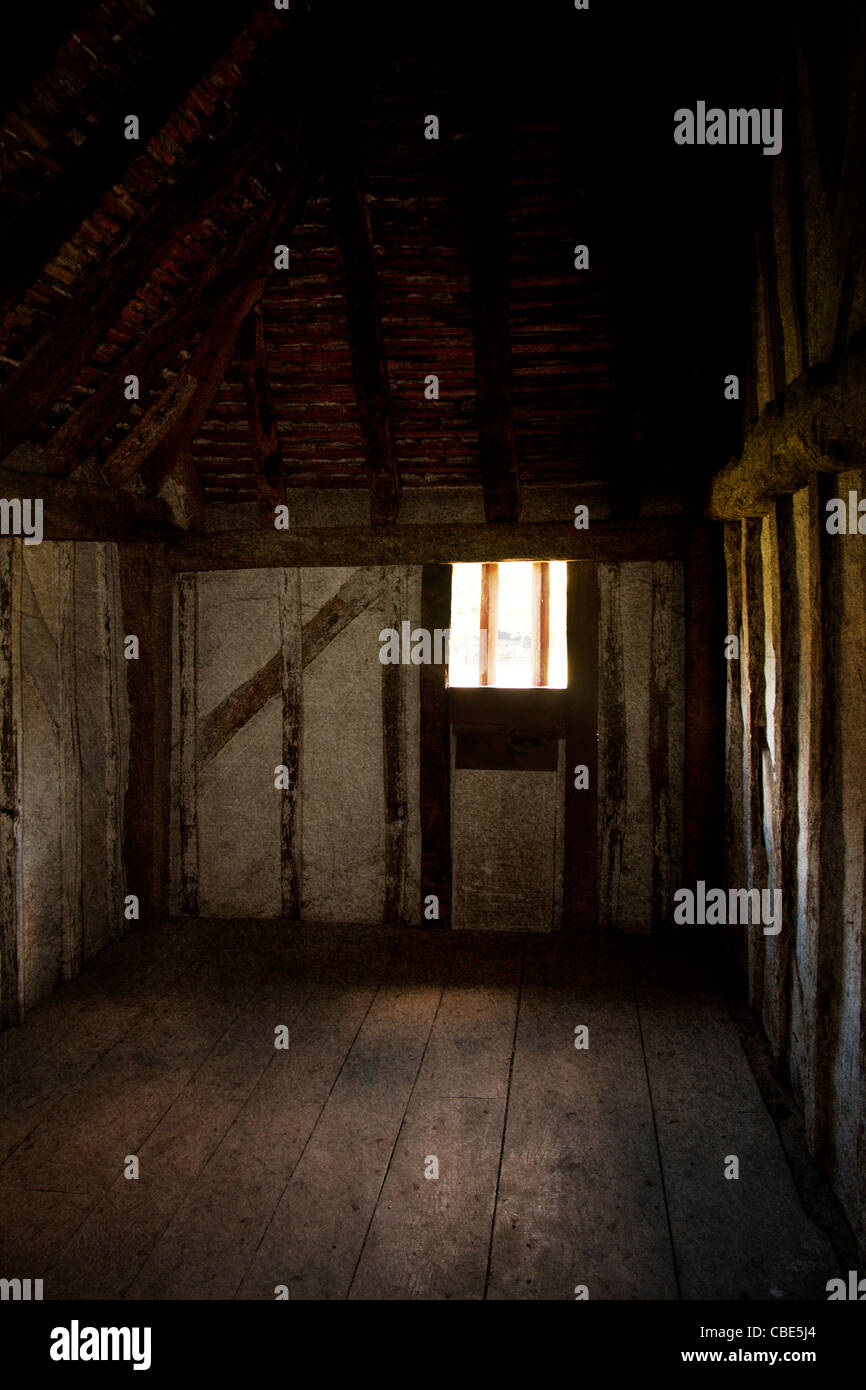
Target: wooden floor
x=306, y=1167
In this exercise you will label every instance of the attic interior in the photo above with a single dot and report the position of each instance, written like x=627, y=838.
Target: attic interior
x=301, y=309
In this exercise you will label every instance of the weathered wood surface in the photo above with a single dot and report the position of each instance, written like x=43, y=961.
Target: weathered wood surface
x=305, y=1167
x=292, y=688
x=708, y=1107
x=88, y=511
x=145, y=597
x=187, y=733
x=582, y=839
x=704, y=706
x=820, y=428
x=206, y=368
x=435, y=751
x=644, y=540
x=602, y=1220
x=71, y=865
x=356, y=251
x=753, y=653
x=394, y=755
x=267, y=457
x=223, y=722
x=9, y=890
x=612, y=748
x=193, y=35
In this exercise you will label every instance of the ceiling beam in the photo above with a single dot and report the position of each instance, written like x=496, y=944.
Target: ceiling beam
x=183, y=48
x=88, y=511
x=819, y=428
x=354, y=241
x=487, y=217
x=267, y=457
x=442, y=543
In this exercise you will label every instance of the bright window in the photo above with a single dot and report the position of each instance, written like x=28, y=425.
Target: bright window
x=508, y=624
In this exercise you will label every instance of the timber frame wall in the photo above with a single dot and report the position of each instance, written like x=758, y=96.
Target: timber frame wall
x=796, y=599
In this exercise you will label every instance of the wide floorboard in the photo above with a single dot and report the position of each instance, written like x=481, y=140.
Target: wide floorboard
x=431, y=1131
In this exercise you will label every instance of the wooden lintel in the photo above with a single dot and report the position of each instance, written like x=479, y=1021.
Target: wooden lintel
x=652, y=539
x=88, y=511
x=819, y=428
x=266, y=453
x=354, y=240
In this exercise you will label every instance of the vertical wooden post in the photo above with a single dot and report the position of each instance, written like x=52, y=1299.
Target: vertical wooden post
x=9, y=810
x=754, y=656
x=488, y=624
x=435, y=756
x=71, y=908
x=613, y=742
x=540, y=621
x=114, y=690
x=187, y=633
x=705, y=695
x=661, y=677
x=394, y=754
x=145, y=593
x=735, y=792
x=580, y=889
x=291, y=655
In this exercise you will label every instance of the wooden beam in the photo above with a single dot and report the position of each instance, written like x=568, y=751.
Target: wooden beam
x=443, y=544
x=69, y=771
x=188, y=762
x=355, y=248
x=206, y=369
x=9, y=810
x=56, y=360
x=215, y=350
x=706, y=676
x=435, y=753
x=394, y=759
x=194, y=35
x=580, y=888
x=821, y=428
x=145, y=587
x=125, y=460
x=178, y=328
x=491, y=320
x=267, y=457
x=223, y=722
x=87, y=511
x=540, y=621
x=292, y=686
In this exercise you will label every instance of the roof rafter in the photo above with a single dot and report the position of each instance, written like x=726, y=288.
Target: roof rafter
x=195, y=36
x=354, y=240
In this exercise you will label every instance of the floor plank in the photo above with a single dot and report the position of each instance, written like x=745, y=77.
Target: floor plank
x=581, y=1200
x=430, y=1237
x=306, y=1167
x=318, y=1230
